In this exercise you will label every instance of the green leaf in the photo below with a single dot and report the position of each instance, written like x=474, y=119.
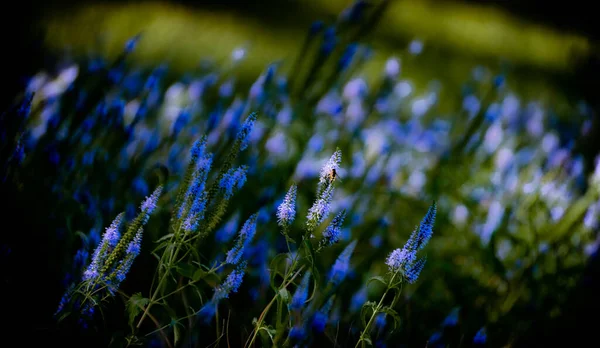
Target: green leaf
x=285, y=295
x=165, y=237
x=136, y=305
x=211, y=279
x=311, y=251
x=369, y=304
x=389, y=311
x=274, y=268
x=378, y=279
x=363, y=311
x=186, y=270
x=176, y=330
x=199, y=274
x=368, y=340
x=63, y=316
x=313, y=264
x=82, y=235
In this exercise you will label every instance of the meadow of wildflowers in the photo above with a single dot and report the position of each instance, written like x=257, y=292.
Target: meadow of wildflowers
x=311, y=209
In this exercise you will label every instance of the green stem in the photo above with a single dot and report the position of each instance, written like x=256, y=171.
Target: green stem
x=265, y=311
x=375, y=312
x=189, y=283
x=172, y=256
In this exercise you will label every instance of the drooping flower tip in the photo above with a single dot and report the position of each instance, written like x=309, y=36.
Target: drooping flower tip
x=135, y=245
x=249, y=229
x=121, y=272
x=199, y=148
x=413, y=272
x=244, y=132
x=234, y=179
x=426, y=227
x=232, y=283
x=244, y=238
x=332, y=233
x=149, y=204
x=286, y=212
x=204, y=164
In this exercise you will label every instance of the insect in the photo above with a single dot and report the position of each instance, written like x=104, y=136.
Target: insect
x=333, y=175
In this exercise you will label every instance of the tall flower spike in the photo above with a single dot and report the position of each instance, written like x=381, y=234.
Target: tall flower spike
x=231, y=284
x=112, y=234
x=331, y=235
x=197, y=185
x=244, y=237
x=426, y=227
x=109, y=241
x=412, y=273
x=329, y=170
x=340, y=269
x=149, y=204
x=286, y=212
x=234, y=179
x=133, y=250
x=400, y=258
x=135, y=245
x=198, y=150
x=147, y=207
x=320, y=209
x=245, y=131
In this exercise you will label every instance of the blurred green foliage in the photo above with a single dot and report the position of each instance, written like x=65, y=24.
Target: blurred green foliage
x=456, y=37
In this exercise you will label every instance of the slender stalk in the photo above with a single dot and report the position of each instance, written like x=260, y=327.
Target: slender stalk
x=375, y=312
x=154, y=320
x=189, y=283
x=265, y=311
x=172, y=256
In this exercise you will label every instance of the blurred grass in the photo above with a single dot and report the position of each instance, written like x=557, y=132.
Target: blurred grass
x=457, y=37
